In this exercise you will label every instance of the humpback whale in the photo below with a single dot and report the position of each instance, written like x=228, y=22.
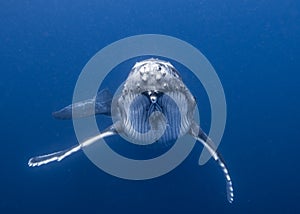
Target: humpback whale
x=154, y=106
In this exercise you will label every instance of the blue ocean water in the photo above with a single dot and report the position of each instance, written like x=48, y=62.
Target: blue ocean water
x=254, y=47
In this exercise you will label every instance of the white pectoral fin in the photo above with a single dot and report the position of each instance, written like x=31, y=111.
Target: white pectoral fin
x=58, y=156
x=200, y=136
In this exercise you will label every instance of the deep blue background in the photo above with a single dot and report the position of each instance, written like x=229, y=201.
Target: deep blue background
x=254, y=47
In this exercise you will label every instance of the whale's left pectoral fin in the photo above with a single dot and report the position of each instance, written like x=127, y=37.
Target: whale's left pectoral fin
x=58, y=156
x=200, y=136
x=100, y=104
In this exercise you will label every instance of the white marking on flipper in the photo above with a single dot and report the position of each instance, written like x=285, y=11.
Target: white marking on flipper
x=58, y=156
x=229, y=187
x=208, y=144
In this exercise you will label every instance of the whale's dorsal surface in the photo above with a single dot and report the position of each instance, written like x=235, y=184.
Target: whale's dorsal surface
x=154, y=106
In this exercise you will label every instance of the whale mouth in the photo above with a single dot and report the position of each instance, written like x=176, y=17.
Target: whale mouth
x=153, y=116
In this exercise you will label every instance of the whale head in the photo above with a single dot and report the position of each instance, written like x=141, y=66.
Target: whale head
x=154, y=105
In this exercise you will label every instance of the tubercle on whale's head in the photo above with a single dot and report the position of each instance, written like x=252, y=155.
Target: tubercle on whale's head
x=154, y=74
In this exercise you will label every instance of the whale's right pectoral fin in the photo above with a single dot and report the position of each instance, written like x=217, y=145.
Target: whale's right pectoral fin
x=58, y=156
x=100, y=104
